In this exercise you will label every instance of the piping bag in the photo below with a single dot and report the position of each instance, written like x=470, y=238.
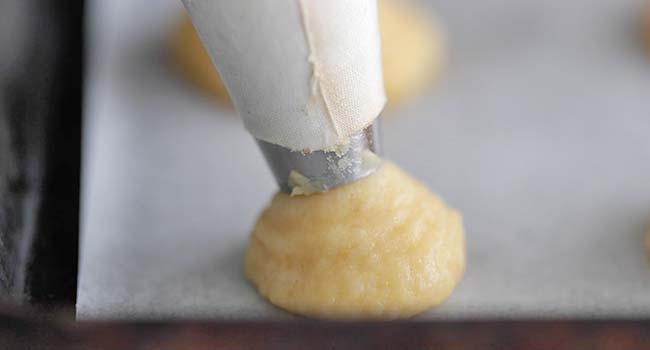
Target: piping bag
x=306, y=78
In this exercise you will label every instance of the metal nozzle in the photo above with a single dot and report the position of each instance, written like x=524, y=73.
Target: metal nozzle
x=324, y=170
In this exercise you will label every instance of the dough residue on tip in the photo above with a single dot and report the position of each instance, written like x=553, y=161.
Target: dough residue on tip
x=370, y=159
x=300, y=184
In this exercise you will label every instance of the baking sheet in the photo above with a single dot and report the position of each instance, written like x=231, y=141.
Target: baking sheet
x=538, y=132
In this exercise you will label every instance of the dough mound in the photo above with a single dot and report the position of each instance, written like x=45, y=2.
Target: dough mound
x=411, y=41
x=382, y=247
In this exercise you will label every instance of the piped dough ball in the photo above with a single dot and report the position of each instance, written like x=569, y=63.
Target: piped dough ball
x=382, y=247
x=412, y=52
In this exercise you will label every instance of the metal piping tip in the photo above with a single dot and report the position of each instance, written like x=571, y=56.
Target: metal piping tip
x=319, y=171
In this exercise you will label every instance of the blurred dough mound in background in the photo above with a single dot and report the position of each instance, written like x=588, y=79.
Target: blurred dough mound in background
x=382, y=247
x=413, y=48
x=412, y=52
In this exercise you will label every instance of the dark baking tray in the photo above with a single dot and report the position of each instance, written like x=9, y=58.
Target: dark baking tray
x=41, y=56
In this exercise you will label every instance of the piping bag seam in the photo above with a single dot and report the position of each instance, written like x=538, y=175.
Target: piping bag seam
x=315, y=83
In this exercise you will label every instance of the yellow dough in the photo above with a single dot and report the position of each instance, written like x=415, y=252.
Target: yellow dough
x=382, y=247
x=412, y=49
x=412, y=52
x=188, y=55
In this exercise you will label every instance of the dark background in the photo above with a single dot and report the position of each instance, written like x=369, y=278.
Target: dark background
x=41, y=66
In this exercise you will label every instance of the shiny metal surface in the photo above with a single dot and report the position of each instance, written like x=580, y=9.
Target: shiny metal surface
x=325, y=170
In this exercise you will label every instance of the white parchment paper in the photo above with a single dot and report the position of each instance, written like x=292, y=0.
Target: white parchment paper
x=538, y=132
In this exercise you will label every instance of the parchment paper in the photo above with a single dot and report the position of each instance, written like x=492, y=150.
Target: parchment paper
x=538, y=132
